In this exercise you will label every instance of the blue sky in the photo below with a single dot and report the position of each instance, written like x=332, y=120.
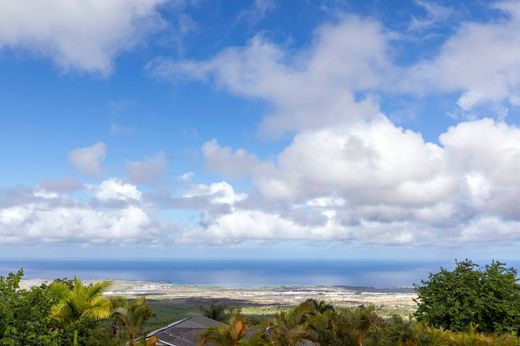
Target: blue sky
x=194, y=128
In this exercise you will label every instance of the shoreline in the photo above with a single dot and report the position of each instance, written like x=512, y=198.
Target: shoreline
x=387, y=301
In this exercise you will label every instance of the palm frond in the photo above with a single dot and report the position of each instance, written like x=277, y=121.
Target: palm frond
x=59, y=290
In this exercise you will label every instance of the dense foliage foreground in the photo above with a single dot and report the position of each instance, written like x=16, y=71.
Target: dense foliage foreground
x=470, y=305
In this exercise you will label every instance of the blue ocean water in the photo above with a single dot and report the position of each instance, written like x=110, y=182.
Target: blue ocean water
x=236, y=273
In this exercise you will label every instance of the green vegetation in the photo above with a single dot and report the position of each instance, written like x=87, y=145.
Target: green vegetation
x=78, y=303
x=25, y=315
x=130, y=317
x=308, y=324
x=471, y=305
x=487, y=297
x=67, y=312
x=233, y=334
x=217, y=312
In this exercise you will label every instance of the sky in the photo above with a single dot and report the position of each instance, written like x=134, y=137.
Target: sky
x=259, y=129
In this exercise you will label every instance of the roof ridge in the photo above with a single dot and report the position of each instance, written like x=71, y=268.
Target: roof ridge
x=152, y=333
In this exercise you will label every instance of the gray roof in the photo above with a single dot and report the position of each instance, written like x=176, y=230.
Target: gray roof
x=184, y=332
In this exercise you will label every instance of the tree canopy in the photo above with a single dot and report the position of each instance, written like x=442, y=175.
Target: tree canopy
x=487, y=297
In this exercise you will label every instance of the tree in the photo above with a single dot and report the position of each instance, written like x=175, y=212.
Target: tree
x=132, y=315
x=357, y=326
x=79, y=303
x=290, y=327
x=24, y=314
x=487, y=297
x=217, y=312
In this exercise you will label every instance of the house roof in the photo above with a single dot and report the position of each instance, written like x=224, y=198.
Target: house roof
x=184, y=332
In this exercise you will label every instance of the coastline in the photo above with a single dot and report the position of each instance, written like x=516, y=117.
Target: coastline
x=269, y=298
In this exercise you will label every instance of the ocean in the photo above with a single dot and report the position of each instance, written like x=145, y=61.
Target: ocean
x=236, y=273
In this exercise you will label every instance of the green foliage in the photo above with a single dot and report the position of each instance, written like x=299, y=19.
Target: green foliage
x=78, y=303
x=130, y=317
x=469, y=306
x=232, y=335
x=67, y=312
x=24, y=314
x=217, y=312
x=307, y=324
x=487, y=297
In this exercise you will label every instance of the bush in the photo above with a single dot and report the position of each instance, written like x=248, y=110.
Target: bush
x=487, y=297
x=25, y=314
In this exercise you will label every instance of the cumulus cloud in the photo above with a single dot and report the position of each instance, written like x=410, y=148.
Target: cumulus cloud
x=78, y=34
x=374, y=182
x=370, y=162
x=147, y=170
x=349, y=173
x=481, y=61
x=344, y=59
x=487, y=156
x=88, y=160
x=115, y=189
x=39, y=216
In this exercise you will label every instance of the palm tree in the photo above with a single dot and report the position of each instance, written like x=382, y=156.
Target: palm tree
x=359, y=323
x=289, y=328
x=320, y=306
x=132, y=316
x=79, y=302
x=233, y=334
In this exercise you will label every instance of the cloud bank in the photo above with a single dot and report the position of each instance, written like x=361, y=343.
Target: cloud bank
x=348, y=173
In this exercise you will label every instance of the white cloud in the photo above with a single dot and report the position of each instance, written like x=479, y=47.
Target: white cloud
x=346, y=58
x=486, y=154
x=374, y=182
x=370, y=162
x=257, y=225
x=187, y=176
x=221, y=192
x=37, y=217
x=88, y=160
x=435, y=14
x=74, y=224
x=349, y=61
x=256, y=12
x=481, y=61
x=349, y=173
x=115, y=189
x=83, y=35
x=148, y=170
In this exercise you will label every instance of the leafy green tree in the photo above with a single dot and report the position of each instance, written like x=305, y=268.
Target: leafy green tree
x=217, y=312
x=79, y=303
x=487, y=297
x=24, y=314
x=131, y=316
